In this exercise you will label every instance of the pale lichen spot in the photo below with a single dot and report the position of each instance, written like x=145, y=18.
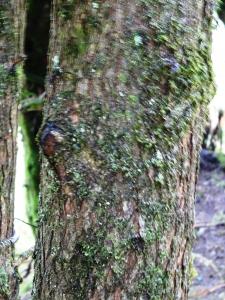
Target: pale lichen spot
x=142, y=229
x=82, y=87
x=127, y=209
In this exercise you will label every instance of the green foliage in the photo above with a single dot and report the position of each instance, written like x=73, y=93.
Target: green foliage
x=153, y=283
x=32, y=167
x=31, y=104
x=221, y=158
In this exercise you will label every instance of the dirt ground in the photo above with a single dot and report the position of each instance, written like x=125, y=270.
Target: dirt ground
x=209, y=248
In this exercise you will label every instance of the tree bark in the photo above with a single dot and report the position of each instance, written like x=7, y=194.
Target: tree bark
x=128, y=87
x=11, y=28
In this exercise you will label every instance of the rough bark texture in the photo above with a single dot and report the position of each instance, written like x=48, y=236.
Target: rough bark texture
x=11, y=20
x=128, y=86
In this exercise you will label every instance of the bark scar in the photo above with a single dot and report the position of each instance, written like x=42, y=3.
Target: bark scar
x=51, y=137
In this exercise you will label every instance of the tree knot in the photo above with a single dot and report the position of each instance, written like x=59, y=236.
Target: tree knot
x=51, y=137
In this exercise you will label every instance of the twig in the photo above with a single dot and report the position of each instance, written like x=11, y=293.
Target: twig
x=32, y=103
x=206, y=292
x=28, y=270
x=24, y=256
x=32, y=225
x=198, y=225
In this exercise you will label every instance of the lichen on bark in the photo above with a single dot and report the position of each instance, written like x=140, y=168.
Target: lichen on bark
x=120, y=140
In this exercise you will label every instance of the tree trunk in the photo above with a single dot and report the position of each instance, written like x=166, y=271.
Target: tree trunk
x=127, y=90
x=11, y=21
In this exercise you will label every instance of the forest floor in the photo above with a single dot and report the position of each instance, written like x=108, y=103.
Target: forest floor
x=209, y=247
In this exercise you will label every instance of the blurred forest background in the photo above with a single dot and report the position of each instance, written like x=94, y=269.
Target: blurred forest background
x=209, y=250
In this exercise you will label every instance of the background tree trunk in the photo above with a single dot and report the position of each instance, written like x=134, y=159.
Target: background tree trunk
x=127, y=90
x=11, y=28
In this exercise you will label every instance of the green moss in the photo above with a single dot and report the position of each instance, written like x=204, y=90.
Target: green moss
x=5, y=21
x=32, y=78
x=122, y=78
x=32, y=166
x=133, y=98
x=125, y=148
x=153, y=283
x=67, y=9
x=192, y=271
x=4, y=285
x=78, y=41
x=172, y=80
